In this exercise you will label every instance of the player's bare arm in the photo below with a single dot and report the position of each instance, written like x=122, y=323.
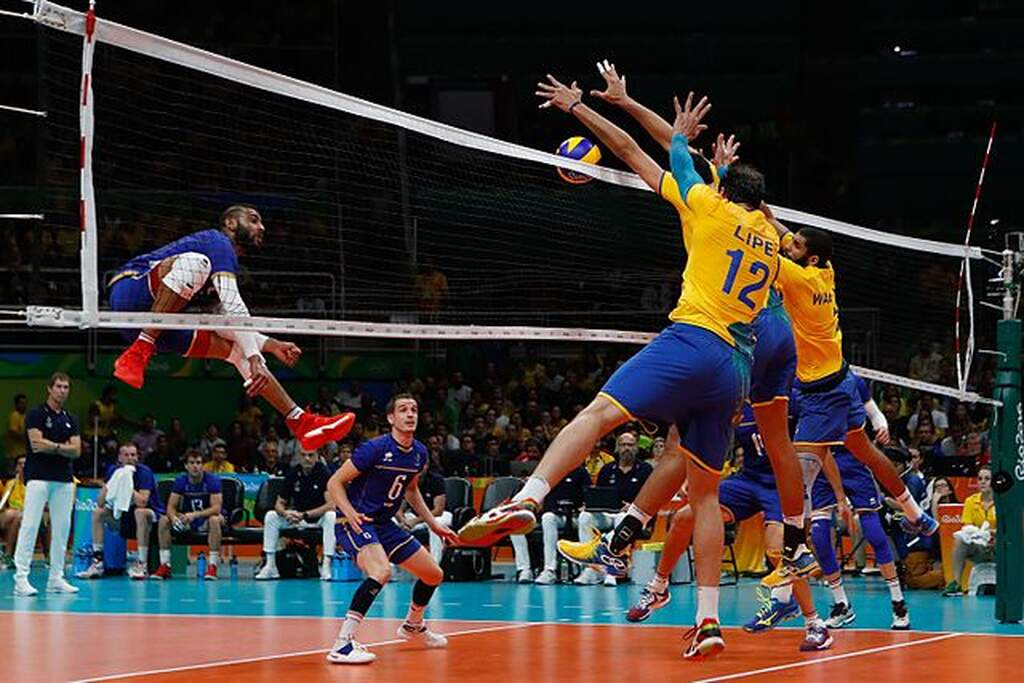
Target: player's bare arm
x=337, y=496
x=419, y=506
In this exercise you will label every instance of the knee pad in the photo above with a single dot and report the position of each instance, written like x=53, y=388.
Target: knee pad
x=188, y=274
x=872, y=526
x=821, y=537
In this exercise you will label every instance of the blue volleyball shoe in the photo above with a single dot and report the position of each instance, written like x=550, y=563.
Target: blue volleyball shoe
x=926, y=525
x=772, y=613
x=596, y=555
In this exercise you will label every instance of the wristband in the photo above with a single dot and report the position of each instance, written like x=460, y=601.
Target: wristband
x=574, y=104
x=305, y=516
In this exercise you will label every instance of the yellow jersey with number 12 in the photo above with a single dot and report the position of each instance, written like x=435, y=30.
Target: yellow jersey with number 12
x=809, y=296
x=733, y=260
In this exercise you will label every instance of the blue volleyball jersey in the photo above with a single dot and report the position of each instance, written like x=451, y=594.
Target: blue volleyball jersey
x=213, y=244
x=756, y=464
x=385, y=470
x=143, y=479
x=196, y=496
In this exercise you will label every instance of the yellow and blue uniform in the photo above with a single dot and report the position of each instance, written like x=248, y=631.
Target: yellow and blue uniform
x=752, y=489
x=385, y=470
x=137, y=281
x=830, y=406
x=696, y=373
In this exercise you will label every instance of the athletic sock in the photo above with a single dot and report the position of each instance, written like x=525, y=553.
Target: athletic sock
x=165, y=556
x=349, y=626
x=414, y=617
x=659, y=584
x=294, y=414
x=143, y=553
x=812, y=619
x=147, y=339
x=631, y=525
x=783, y=593
x=536, y=489
x=838, y=592
x=707, y=603
x=909, y=506
x=214, y=558
x=895, y=592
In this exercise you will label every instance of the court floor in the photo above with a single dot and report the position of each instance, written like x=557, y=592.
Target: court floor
x=116, y=629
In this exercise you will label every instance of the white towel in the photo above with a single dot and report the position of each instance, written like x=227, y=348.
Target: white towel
x=120, y=489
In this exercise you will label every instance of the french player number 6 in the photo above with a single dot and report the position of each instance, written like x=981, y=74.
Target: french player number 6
x=396, y=488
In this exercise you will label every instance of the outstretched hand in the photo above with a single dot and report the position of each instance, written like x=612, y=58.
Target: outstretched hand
x=286, y=352
x=688, y=117
x=558, y=94
x=725, y=150
x=615, y=85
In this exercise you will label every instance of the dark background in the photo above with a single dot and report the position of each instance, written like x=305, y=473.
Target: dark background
x=842, y=123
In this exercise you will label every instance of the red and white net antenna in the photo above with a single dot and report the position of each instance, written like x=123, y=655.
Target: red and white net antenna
x=87, y=198
x=965, y=356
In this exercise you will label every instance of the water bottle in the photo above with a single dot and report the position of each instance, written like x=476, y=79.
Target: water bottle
x=201, y=566
x=336, y=567
x=234, y=568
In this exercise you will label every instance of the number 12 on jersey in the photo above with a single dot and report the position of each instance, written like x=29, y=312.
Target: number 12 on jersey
x=757, y=269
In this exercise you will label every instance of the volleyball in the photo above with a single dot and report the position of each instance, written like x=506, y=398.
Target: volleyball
x=580, y=149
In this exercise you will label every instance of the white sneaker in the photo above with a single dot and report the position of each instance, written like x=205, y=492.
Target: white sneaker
x=60, y=585
x=420, y=633
x=268, y=572
x=93, y=571
x=610, y=581
x=546, y=578
x=138, y=571
x=24, y=589
x=588, y=577
x=349, y=652
x=325, y=569
x=524, y=576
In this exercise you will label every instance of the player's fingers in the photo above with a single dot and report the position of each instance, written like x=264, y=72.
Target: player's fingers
x=573, y=86
x=545, y=86
x=675, y=103
x=607, y=66
x=623, y=79
x=598, y=94
x=544, y=105
x=600, y=68
x=689, y=102
x=555, y=81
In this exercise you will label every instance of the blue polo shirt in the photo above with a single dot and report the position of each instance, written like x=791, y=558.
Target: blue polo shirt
x=303, y=491
x=58, y=427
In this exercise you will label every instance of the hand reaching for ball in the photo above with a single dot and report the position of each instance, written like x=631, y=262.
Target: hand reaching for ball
x=558, y=94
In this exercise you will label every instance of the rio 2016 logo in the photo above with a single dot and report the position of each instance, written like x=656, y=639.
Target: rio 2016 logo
x=1018, y=470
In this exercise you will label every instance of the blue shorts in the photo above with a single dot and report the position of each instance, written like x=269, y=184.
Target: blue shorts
x=134, y=294
x=690, y=377
x=202, y=525
x=827, y=416
x=774, y=357
x=398, y=544
x=745, y=496
x=858, y=484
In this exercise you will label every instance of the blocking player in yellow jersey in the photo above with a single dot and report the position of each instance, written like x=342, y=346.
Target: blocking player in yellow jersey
x=695, y=374
x=831, y=410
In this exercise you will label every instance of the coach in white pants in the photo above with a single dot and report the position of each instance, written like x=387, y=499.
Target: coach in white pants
x=54, y=441
x=302, y=504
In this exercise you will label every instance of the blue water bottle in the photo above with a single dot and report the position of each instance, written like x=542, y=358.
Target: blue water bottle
x=336, y=567
x=234, y=568
x=201, y=566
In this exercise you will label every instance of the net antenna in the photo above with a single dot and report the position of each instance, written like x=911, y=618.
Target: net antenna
x=521, y=195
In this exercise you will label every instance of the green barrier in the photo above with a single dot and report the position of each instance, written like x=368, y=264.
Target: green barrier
x=1008, y=466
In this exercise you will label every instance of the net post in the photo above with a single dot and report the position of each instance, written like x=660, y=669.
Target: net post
x=1008, y=452
x=87, y=197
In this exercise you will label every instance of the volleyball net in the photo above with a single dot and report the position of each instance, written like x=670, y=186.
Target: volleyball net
x=388, y=225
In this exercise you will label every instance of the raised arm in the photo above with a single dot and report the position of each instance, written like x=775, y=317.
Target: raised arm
x=619, y=142
x=686, y=127
x=615, y=93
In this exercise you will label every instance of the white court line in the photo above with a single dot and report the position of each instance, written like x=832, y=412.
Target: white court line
x=833, y=658
x=282, y=655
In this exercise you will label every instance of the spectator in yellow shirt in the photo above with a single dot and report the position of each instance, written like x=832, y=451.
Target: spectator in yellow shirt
x=596, y=460
x=219, y=463
x=16, y=428
x=12, y=501
x=979, y=508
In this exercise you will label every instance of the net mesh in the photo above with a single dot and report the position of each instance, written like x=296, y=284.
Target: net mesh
x=368, y=221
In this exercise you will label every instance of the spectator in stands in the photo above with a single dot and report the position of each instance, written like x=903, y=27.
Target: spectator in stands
x=270, y=462
x=449, y=442
x=627, y=476
x=195, y=503
x=302, y=504
x=210, y=436
x=928, y=408
x=892, y=409
x=324, y=405
x=13, y=502
x=436, y=454
x=597, y=459
x=350, y=398
x=137, y=520
x=162, y=460
x=177, y=440
x=458, y=390
x=941, y=492
x=496, y=462
x=431, y=289
x=373, y=426
x=464, y=462
x=250, y=415
x=925, y=439
x=104, y=418
x=561, y=505
x=979, y=512
x=240, y=448
x=532, y=451
x=657, y=449
x=219, y=463
x=432, y=487
x=926, y=365
x=336, y=459
x=15, y=446
x=145, y=439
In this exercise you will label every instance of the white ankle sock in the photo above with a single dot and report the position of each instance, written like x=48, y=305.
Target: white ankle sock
x=895, y=592
x=838, y=592
x=658, y=584
x=165, y=556
x=294, y=414
x=536, y=489
x=707, y=603
x=909, y=506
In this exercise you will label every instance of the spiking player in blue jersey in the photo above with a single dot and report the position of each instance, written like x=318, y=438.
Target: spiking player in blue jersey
x=368, y=490
x=167, y=279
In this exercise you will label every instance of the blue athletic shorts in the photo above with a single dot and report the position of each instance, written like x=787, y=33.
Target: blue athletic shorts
x=827, y=416
x=858, y=484
x=134, y=294
x=690, y=377
x=398, y=544
x=774, y=357
x=745, y=496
